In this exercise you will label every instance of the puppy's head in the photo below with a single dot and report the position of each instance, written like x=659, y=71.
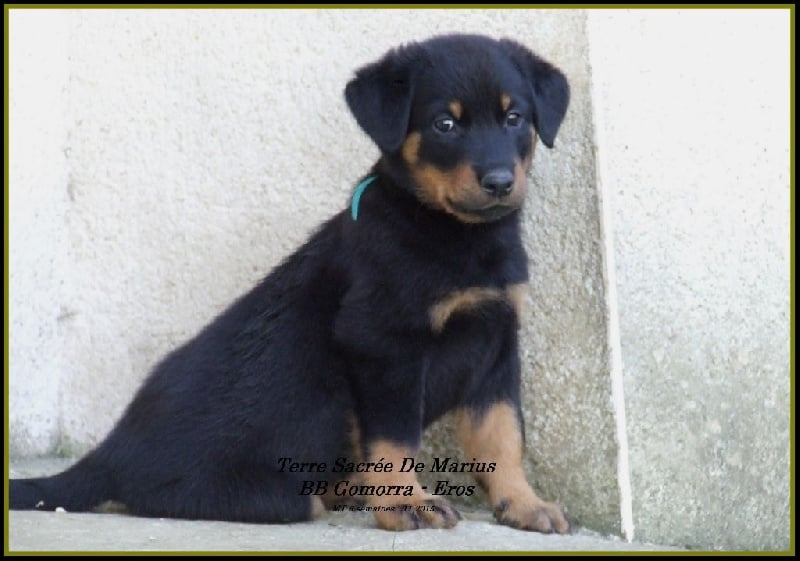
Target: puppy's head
x=457, y=118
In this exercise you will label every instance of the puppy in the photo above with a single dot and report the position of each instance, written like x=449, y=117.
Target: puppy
x=315, y=387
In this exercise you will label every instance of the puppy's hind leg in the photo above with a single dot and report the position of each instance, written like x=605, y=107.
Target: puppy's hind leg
x=266, y=498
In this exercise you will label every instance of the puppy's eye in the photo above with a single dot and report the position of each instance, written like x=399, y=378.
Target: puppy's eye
x=444, y=124
x=513, y=119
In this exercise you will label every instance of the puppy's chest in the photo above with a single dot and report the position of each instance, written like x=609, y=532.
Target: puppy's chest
x=484, y=286
x=492, y=284
x=469, y=301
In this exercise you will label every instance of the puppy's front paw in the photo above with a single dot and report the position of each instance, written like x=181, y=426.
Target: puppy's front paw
x=536, y=516
x=427, y=513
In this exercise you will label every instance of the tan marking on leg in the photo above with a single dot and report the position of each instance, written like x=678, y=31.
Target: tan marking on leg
x=517, y=297
x=420, y=510
x=317, y=507
x=505, y=101
x=460, y=301
x=456, y=109
x=387, y=451
x=496, y=436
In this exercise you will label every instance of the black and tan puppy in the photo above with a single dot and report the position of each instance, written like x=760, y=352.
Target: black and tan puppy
x=399, y=309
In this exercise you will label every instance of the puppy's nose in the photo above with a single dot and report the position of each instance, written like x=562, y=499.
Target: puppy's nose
x=498, y=182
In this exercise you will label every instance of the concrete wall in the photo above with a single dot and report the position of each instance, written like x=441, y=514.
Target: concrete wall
x=154, y=177
x=692, y=111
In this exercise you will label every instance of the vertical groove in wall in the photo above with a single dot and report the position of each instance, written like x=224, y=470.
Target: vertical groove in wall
x=68, y=20
x=612, y=308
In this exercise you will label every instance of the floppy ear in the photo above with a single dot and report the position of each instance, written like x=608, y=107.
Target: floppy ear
x=380, y=98
x=549, y=88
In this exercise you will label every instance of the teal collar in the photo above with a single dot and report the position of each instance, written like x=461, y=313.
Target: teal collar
x=357, y=195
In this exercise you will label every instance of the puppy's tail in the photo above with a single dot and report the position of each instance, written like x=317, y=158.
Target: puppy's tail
x=79, y=488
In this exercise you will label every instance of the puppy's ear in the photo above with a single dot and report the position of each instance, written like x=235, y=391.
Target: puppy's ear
x=380, y=97
x=549, y=88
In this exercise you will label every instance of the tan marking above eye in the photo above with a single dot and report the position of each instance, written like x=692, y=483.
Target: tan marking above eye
x=505, y=101
x=456, y=109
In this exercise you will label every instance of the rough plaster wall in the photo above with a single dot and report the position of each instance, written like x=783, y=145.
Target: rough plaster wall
x=695, y=165
x=204, y=146
x=37, y=246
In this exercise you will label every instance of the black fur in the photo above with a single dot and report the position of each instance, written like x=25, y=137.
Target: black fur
x=341, y=329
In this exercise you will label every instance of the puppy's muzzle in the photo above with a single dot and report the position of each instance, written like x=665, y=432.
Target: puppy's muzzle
x=498, y=182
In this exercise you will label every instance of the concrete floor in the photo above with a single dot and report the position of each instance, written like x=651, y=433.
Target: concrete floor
x=348, y=531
